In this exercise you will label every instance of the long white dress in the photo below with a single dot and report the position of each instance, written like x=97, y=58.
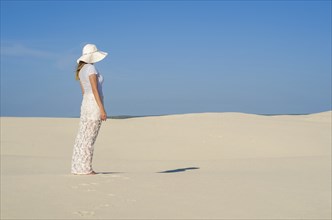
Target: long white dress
x=89, y=125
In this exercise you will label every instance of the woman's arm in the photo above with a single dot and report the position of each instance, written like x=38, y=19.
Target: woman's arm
x=82, y=87
x=94, y=86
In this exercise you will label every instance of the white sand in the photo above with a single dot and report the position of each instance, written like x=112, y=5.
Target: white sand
x=248, y=166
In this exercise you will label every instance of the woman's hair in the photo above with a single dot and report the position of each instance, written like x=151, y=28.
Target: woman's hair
x=79, y=67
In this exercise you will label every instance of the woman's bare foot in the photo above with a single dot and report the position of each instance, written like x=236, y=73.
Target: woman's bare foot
x=92, y=173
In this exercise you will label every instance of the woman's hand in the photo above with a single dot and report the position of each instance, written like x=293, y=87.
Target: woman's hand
x=103, y=115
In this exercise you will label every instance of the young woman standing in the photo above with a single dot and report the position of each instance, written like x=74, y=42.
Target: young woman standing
x=92, y=109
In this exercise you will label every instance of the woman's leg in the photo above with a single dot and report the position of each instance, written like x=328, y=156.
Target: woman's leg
x=84, y=146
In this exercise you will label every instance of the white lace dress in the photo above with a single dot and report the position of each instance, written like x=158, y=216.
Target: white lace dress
x=89, y=124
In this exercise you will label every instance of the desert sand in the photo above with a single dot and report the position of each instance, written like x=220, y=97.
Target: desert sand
x=191, y=166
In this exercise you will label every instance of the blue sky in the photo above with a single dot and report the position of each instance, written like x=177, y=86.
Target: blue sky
x=168, y=57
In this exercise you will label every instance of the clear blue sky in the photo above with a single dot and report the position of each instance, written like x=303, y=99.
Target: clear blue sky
x=168, y=57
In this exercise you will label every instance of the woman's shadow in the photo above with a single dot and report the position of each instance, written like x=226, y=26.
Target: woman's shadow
x=165, y=171
x=179, y=170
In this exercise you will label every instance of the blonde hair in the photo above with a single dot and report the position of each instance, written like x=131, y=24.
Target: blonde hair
x=78, y=68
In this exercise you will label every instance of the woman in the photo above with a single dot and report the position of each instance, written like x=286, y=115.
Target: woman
x=92, y=109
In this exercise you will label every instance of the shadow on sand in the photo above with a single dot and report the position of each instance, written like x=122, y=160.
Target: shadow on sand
x=165, y=171
x=179, y=170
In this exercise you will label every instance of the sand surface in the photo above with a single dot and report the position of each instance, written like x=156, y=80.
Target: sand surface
x=193, y=166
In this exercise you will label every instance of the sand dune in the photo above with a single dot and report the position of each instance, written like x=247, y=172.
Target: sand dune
x=196, y=166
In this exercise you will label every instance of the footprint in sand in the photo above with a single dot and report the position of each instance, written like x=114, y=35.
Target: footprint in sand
x=130, y=200
x=102, y=206
x=89, y=184
x=84, y=184
x=84, y=213
x=91, y=190
x=88, y=187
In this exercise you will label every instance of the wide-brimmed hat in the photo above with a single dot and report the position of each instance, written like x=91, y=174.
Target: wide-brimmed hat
x=91, y=54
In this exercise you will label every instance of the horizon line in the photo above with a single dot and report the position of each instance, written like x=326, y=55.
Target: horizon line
x=156, y=115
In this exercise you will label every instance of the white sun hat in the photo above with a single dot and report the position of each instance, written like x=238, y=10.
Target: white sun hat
x=91, y=54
